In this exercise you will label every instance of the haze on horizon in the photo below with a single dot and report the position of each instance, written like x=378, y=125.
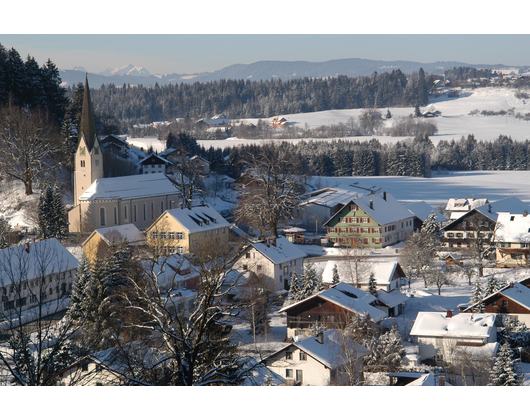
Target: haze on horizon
x=195, y=53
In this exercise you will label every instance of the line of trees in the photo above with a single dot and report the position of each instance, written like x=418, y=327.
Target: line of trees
x=259, y=99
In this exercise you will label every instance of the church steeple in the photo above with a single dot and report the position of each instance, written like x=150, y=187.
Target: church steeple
x=88, y=157
x=87, y=127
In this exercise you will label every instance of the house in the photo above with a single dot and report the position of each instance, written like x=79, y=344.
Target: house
x=388, y=277
x=330, y=308
x=216, y=121
x=512, y=239
x=279, y=122
x=201, y=163
x=115, y=145
x=324, y=203
x=319, y=360
x=513, y=300
x=440, y=334
x=175, y=154
x=452, y=260
x=177, y=279
x=101, y=240
x=36, y=275
x=273, y=261
x=188, y=230
x=458, y=206
x=111, y=367
x=102, y=202
x=154, y=164
x=373, y=221
x=481, y=220
x=421, y=211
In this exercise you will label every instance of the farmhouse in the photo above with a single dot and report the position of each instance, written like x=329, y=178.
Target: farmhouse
x=513, y=300
x=319, y=360
x=331, y=308
x=373, y=220
x=458, y=206
x=481, y=221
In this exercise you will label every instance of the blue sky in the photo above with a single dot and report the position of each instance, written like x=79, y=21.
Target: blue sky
x=196, y=53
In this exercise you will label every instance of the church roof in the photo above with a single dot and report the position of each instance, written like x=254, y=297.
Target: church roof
x=129, y=187
x=87, y=127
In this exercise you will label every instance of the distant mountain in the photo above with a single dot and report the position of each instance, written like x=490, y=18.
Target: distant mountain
x=264, y=70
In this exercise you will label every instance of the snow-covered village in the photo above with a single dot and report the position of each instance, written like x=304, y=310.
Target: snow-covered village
x=385, y=242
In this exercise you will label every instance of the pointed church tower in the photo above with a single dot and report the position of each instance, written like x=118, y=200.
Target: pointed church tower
x=88, y=157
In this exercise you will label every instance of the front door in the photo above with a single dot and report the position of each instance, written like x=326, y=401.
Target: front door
x=299, y=376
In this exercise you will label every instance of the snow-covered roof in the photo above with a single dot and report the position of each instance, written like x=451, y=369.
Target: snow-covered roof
x=331, y=352
x=111, y=235
x=506, y=205
x=465, y=204
x=391, y=299
x=197, y=219
x=167, y=269
x=384, y=208
x=427, y=379
x=383, y=271
x=330, y=197
x=34, y=260
x=154, y=157
x=422, y=210
x=512, y=228
x=514, y=291
x=348, y=297
x=284, y=251
x=260, y=374
x=129, y=187
x=462, y=325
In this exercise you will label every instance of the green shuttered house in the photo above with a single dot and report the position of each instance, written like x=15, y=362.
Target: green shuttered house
x=373, y=221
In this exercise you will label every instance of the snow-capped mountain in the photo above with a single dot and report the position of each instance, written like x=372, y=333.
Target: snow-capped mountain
x=129, y=70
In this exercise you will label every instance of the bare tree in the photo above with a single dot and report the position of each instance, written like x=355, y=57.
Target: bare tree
x=417, y=258
x=29, y=141
x=352, y=263
x=273, y=190
x=188, y=180
x=194, y=339
x=439, y=277
x=481, y=248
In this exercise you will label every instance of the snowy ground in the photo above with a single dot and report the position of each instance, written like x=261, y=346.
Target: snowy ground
x=420, y=299
x=454, y=122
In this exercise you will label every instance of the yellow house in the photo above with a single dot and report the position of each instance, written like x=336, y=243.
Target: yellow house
x=100, y=241
x=188, y=230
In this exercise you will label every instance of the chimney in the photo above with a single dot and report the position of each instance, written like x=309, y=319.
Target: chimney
x=525, y=213
x=489, y=208
x=511, y=284
x=268, y=242
x=372, y=204
x=384, y=195
x=320, y=337
x=27, y=247
x=449, y=314
x=274, y=241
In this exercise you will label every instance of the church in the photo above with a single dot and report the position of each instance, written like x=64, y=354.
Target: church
x=105, y=202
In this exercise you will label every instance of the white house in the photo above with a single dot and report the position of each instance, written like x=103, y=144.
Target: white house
x=33, y=276
x=441, y=334
x=273, y=260
x=154, y=164
x=512, y=239
x=319, y=360
x=459, y=206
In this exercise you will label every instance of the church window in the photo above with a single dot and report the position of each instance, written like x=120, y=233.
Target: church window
x=135, y=213
x=145, y=212
x=152, y=210
x=161, y=207
x=102, y=216
x=115, y=215
x=82, y=151
x=125, y=213
x=82, y=164
x=97, y=162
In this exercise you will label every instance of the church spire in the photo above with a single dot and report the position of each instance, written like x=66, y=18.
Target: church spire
x=88, y=124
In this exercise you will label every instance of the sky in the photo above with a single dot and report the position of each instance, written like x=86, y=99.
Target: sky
x=191, y=53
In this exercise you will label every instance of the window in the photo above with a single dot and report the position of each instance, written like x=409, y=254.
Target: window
x=135, y=213
x=289, y=355
x=97, y=162
x=115, y=215
x=82, y=164
x=152, y=210
x=84, y=366
x=299, y=376
x=258, y=267
x=494, y=304
x=125, y=213
x=504, y=304
x=102, y=216
x=145, y=212
x=303, y=355
x=161, y=207
x=288, y=373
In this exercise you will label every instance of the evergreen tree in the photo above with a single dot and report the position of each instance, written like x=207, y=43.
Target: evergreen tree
x=59, y=217
x=477, y=298
x=45, y=213
x=5, y=229
x=503, y=372
x=492, y=286
x=78, y=297
x=296, y=286
x=310, y=283
x=430, y=230
x=372, y=286
x=335, y=277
